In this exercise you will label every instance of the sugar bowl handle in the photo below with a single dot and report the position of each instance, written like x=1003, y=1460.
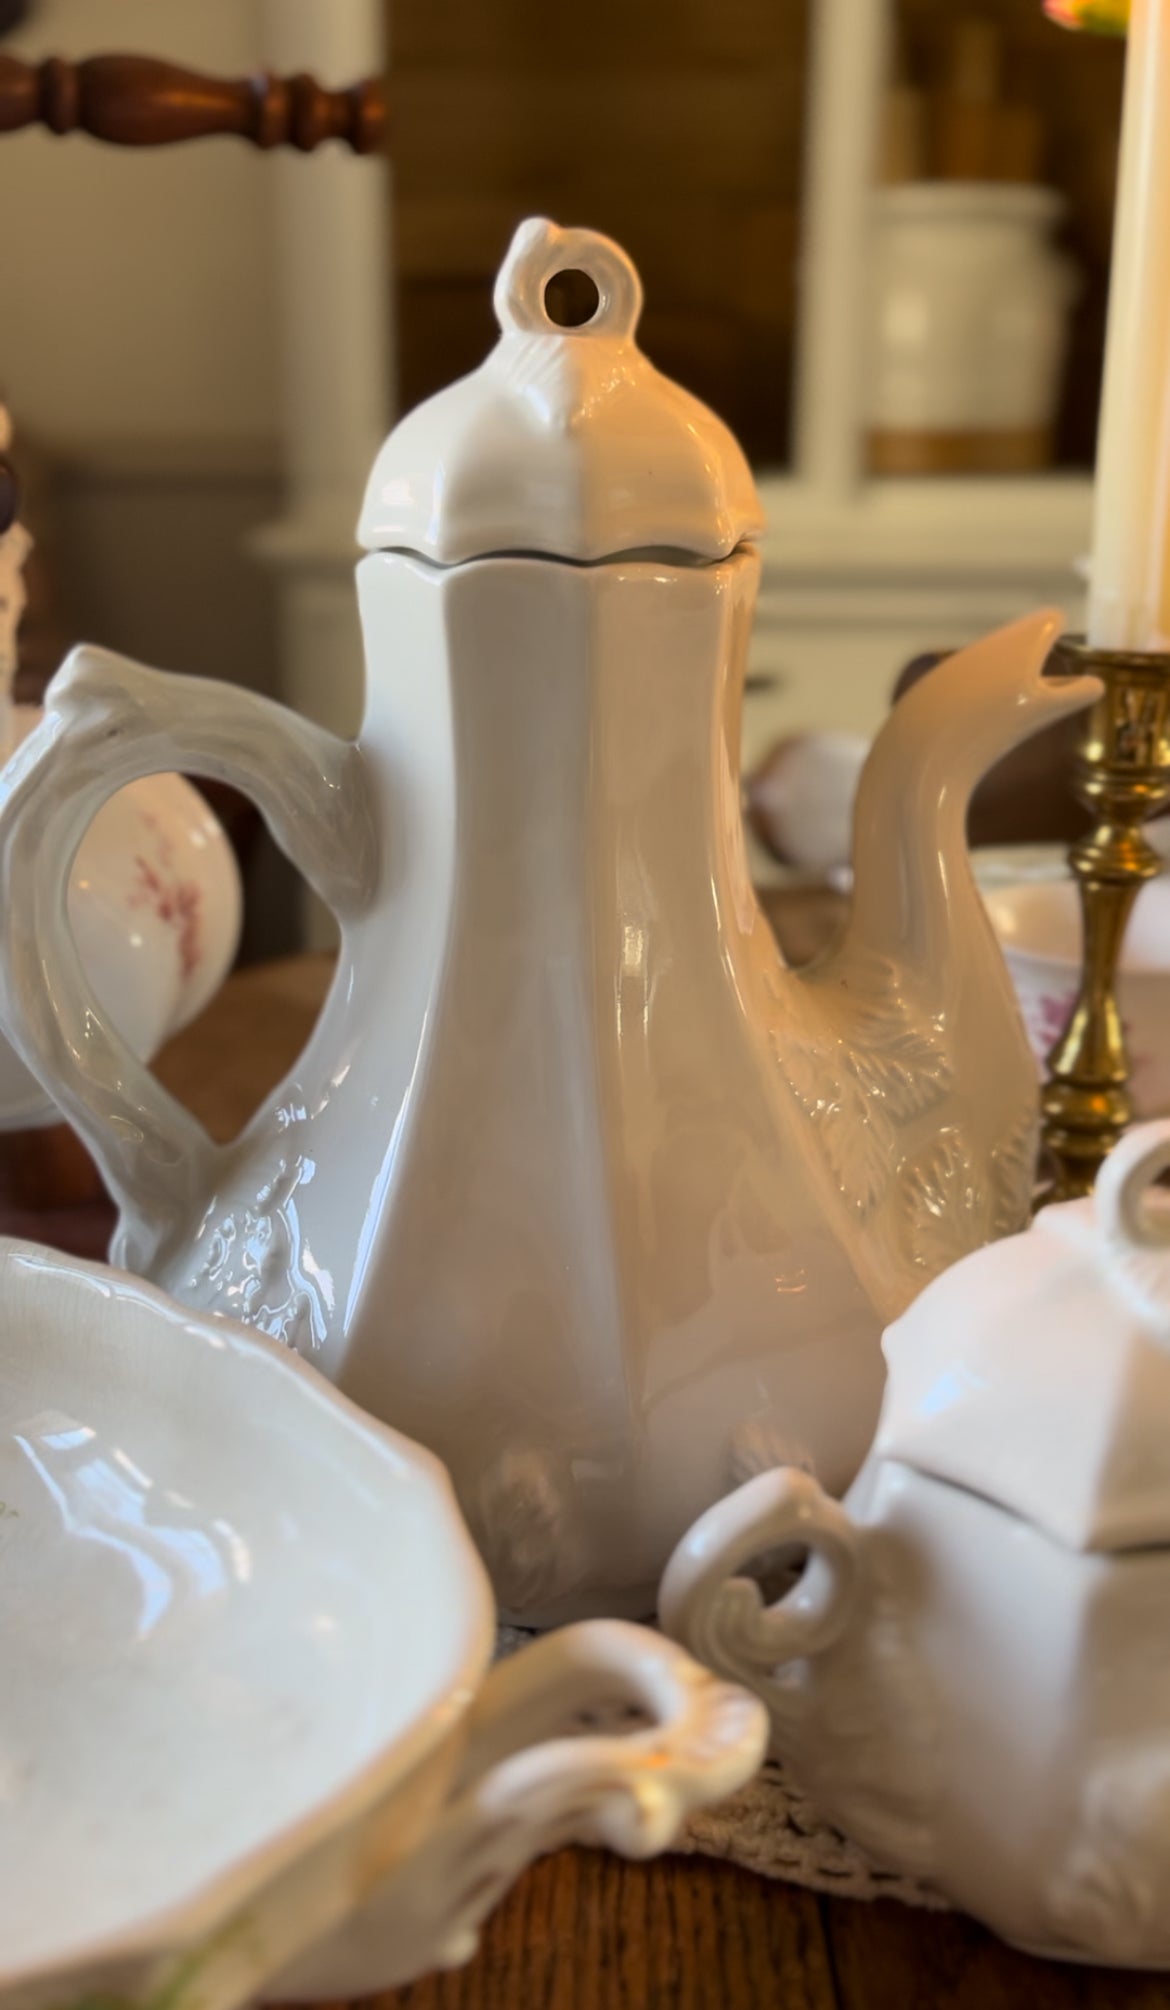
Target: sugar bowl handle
x=601, y=1734
x=1135, y=1237
x=722, y=1617
x=108, y=722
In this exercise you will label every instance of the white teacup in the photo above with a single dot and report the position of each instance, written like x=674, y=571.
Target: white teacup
x=1038, y=923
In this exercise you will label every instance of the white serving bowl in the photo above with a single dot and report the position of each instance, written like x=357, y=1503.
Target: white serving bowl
x=155, y=904
x=246, y=1719
x=1038, y=923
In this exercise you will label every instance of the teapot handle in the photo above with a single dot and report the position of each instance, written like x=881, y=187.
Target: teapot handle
x=109, y=721
x=601, y=1734
x=721, y=1616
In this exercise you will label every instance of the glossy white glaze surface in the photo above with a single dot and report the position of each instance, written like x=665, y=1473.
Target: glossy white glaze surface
x=246, y=1640
x=576, y=1182
x=1069, y=1323
x=236, y=1615
x=970, y=1675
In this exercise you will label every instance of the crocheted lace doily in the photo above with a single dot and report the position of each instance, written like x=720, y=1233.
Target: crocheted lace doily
x=771, y=1828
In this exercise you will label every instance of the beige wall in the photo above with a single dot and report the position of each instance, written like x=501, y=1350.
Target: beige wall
x=139, y=352
x=139, y=294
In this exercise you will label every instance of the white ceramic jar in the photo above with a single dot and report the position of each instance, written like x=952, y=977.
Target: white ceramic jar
x=969, y=315
x=972, y=1675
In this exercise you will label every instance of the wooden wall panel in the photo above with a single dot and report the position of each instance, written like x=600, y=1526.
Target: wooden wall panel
x=675, y=125
x=632, y=34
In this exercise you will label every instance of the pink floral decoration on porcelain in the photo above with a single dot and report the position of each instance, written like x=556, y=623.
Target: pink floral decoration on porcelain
x=1051, y=1019
x=176, y=902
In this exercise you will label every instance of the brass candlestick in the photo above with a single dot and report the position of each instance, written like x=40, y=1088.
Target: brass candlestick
x=1123, y=778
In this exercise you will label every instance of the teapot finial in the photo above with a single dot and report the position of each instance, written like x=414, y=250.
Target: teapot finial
x=566, y=441
x=538, y=253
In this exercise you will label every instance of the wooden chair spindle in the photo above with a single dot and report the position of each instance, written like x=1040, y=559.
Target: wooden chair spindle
x=140, y=101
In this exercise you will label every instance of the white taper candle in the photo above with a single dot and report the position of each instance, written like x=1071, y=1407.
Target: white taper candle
x=1129, y=596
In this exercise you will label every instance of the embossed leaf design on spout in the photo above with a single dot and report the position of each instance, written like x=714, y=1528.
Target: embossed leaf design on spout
x=905, y=1048
x=859, y=1068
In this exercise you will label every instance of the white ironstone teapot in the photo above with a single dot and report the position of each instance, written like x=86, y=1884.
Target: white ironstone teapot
x=575, y=1182
x=972, y=1674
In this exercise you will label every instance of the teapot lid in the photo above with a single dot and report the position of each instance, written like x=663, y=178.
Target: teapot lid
x=565, y=441
x=1036, y=1372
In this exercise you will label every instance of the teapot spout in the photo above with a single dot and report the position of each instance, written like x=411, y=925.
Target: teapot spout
x=915, y=899
x=912, y=1059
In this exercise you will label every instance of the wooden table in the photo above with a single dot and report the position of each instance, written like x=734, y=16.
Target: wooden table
x=585, y=1932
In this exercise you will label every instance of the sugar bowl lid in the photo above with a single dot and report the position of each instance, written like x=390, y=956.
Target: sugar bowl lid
x=1037, y=1372
x=566, y=440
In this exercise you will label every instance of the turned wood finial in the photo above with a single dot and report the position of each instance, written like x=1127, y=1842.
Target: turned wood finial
x=138, y=101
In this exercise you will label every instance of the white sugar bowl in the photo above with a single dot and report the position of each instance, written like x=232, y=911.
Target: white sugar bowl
x=972, y=1674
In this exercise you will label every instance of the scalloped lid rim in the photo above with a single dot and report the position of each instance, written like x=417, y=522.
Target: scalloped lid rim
x=565, y=442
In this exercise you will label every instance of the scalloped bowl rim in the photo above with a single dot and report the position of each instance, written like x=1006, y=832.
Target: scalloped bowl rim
x=192, y=1918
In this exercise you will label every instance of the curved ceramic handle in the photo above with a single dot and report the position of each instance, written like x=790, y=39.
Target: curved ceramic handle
x=107, y=722
x=722, y=1617
x=1135, y=1238
x=536, y=1776
x=537, y=253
